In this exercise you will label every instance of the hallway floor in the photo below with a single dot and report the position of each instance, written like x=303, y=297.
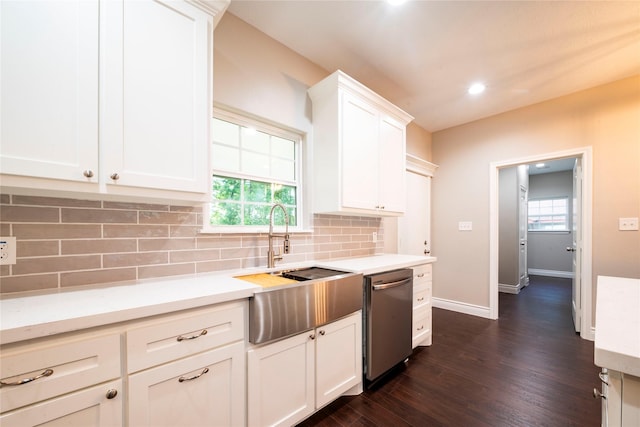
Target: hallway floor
x=529, y=368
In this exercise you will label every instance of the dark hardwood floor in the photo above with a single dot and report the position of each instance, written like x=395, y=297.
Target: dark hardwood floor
x=529, y=368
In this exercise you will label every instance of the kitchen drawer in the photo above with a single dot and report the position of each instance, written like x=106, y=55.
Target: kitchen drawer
x=421, y=295
x=421, y=326
x=87, y=407
x=422, y=274
x=69, y=363
x=175, y=336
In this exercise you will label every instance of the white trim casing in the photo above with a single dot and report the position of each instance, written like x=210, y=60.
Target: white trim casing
x=586, y=303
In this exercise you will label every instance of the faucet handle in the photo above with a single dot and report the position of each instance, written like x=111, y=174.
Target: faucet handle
x=285, y=244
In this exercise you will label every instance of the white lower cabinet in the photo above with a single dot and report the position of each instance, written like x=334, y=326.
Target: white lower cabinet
x=290, y=379
x=195, y=391
x=94, y=406
x=180, y=369
x=188, y=369
x=71, y=381
x=621, y=399
x=422, y=284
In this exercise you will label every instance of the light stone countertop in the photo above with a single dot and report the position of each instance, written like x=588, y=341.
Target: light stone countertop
x=39, y=315
x=617, y=342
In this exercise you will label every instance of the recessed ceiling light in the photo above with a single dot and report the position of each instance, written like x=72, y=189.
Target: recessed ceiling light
x=539, y=165
x=476, y=89
x=396, y=2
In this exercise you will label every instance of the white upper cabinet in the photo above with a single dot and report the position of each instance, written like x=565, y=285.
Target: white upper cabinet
x=49, y=88
x=359, y=145
x=155, y=95
x=110, y=97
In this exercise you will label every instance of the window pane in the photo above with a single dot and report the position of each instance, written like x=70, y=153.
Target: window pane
x=225, y=213
x=255, y=164
x=256, y=191
x=256, y=214
x=283, y=169
x=285, y=194
x=225, y=132
x=283, y=148
x=255, y=140
x=225, y=158
x=224, y=188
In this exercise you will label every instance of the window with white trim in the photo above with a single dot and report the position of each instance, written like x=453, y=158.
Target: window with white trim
x=550, y=214
x=255, y=165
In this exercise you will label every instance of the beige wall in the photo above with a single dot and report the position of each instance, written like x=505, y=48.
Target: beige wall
x=607, y=118
x=256, y=74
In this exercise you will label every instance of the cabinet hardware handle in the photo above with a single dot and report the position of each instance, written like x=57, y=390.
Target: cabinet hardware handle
x=312, y=336
x=603, y=378
x=88, y=173
x=420, y=328
x=420, y=275
x=420, y=299
x=425, y=243
x=195, y=377
x=46, y=373
x=322, y=332
x=111, y=393
x=598, y=394
x=115, y=176
x=426, y=252
x=192, y=337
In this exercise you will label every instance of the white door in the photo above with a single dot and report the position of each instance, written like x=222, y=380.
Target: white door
x=338, y=358
x=522, y=237
x=576, y=248
x=49, y=89
x=392, y=158
x=280, y=381
x=359, y=154
x=205, y=389
x=414, y=231
x=154, y=99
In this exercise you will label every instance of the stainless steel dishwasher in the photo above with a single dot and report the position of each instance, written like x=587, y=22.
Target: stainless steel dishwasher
x=388, y=317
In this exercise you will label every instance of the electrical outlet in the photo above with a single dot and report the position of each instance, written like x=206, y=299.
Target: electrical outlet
x=627, y=224
x=374, y=237
x=465, y=226
x=7, y=250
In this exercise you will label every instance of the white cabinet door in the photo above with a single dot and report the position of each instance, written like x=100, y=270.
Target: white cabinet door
x=391, y=179
x=281, y=381
x=49, y=88
x=155, y=94
x=360, y=160
x=206, y=389
x=414, y=228
x=96, y=406
x=338, y=358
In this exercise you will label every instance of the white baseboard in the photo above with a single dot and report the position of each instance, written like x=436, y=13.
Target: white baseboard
x=550, y=273
x=509, y=289
x=462, y=307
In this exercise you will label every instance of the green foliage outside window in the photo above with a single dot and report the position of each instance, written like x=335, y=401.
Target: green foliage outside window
x=239, y=201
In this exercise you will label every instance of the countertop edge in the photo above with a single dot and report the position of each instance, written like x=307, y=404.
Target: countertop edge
x=174, y=294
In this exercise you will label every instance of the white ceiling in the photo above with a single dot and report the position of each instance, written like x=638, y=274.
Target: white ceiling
x=422, y=55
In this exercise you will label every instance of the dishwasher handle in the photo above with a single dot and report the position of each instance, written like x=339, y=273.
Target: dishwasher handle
x=388, y=285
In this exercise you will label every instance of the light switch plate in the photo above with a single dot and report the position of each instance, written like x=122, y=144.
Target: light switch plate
x=7, y=250
x=627, y=224
x=465, y=226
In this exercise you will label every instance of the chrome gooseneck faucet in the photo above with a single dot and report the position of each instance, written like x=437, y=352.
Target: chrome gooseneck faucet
x=271, y=255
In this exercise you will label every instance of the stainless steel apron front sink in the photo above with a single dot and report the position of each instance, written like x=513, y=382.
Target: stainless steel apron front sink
x=320, y=297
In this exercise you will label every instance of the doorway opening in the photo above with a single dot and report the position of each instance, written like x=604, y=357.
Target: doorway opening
x=582, y=286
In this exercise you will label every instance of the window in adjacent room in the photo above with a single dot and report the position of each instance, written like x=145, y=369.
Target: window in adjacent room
x=551, y=214
x=254, y=165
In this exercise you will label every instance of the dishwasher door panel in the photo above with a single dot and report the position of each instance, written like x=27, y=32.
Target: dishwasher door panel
x=389, y=318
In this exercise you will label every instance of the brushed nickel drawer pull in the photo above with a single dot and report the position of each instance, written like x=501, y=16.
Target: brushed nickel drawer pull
x=46, y=373
x=420, y=328
x=192, y=337
x=421, y=275
x=195, y=377
x=603, y=377
x=111, y=393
